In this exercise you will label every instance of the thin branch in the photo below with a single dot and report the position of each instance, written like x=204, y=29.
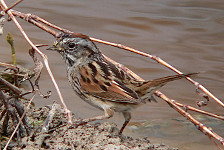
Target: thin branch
x=6, y=10
x=49, y=118
x=20, y=121
x=44, y=57
x=10, y=66
x=206, y=130
x=15, y=89
x=10, y=112
x=34, y=20
x=159, y=60
x=187, y=107
x=37, y=18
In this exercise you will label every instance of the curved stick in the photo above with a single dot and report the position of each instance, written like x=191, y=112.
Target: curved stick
x=204, y=129
x=188, y=107
x=44, y=57
x=159, y=60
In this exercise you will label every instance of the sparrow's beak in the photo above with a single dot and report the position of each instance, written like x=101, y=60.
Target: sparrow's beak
x=53, y=48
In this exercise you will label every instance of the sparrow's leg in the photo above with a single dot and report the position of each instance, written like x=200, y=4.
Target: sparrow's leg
x=108, y=113
x=127, y=116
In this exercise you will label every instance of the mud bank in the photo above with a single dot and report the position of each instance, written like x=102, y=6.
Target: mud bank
x=89, y=136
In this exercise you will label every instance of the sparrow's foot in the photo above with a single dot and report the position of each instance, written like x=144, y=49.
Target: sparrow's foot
x=77, y=123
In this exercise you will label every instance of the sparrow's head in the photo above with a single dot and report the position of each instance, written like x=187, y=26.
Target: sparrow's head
x=75, y=47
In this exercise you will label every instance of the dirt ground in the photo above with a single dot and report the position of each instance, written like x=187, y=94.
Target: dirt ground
x=89, y=136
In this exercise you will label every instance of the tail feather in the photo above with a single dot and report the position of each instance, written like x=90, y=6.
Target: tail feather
x=162, y=81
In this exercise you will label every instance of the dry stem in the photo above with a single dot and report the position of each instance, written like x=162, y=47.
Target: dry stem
x=6, y=10
x=44, y=57
x=20, y=121
x=15, y=89
x=206, y=130
x=159, y=60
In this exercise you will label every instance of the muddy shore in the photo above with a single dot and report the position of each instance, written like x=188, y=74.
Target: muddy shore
x=89, y=136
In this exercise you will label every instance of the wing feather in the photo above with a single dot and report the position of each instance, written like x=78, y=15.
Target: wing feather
x=108, y=88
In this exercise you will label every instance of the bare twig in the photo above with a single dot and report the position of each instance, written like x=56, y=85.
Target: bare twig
x=206, y=130
x=32, y=19
x=10, y=66
x=15, y=89
x=6, y=10
x=10, y=112
x=44, y=57
x=187, y=107
x=49, y=118
x=20, y=120
x=38, y=66
x=159, y=60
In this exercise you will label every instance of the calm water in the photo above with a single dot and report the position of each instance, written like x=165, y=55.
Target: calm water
x=187, y=34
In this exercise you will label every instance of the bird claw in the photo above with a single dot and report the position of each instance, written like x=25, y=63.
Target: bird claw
x=77, y=123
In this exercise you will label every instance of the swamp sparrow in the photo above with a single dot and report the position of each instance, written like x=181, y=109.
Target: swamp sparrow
x=101, y=83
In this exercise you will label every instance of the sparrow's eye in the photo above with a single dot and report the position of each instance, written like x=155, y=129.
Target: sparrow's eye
x=71, y=45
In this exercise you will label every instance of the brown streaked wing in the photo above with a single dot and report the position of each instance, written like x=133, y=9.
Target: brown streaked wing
x=106, y=89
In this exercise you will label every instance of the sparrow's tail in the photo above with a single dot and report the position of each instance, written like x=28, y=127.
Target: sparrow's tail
x=152, y=85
